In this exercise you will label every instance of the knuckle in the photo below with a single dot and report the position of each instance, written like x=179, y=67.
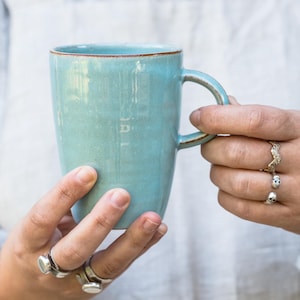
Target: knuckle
x=255, y=121
x=284, y=119
x=103, y=221
x=65, y=192
x=136, y=242
x=70, y=254
x=39, y=220
x=241, y=185
x=110, y=269
x=236, y=153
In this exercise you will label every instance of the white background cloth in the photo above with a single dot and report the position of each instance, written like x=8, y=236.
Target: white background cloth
x=252, y=47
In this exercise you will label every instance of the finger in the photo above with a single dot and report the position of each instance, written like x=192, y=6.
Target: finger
x=75, y=248
x=248, y=153
x=233, y=100
x=263, y=122
x=252, y=185
x=160, y=232
x=43, y=218
x=111, y=262
x=274, y=215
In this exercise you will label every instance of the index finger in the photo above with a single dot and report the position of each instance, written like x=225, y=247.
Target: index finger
x=258, y=121
x=40, y=223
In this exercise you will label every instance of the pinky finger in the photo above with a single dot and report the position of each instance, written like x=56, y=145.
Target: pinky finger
x=275, y=214
x=160, y=232
x=139, y=237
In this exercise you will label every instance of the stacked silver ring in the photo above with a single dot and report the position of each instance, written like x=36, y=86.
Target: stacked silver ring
x=47, y=264
x=272, y=196
x=90, y=282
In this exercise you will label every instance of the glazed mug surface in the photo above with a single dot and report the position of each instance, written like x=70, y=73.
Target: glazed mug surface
x=117, y=108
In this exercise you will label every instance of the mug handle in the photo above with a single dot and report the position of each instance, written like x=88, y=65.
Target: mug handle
x=197, y=138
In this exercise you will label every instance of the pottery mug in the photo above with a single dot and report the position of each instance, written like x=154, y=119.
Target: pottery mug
x=117, y=109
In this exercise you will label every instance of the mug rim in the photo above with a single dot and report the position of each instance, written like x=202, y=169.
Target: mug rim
x=115, y=50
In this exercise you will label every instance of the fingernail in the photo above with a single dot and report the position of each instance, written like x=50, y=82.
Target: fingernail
x=119, y=199
x=195, y=117
x=162, y=229
x=86, y=175
x=150, y=226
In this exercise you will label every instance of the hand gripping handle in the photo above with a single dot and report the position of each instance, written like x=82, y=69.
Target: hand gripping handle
x=197, y=138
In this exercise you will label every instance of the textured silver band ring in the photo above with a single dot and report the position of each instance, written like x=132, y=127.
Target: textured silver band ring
x=90, y=282
x=47, y=264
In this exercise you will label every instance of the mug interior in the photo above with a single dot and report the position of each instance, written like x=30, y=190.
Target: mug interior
x=115, y=50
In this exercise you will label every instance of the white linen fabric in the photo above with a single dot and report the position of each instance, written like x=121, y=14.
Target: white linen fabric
x=3, y=235
x=252, y=47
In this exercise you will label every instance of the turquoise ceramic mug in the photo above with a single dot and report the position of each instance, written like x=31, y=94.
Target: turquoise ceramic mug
x=117, y=108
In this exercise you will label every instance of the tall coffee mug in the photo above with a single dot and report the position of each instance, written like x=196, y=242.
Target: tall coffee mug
x=117, y=109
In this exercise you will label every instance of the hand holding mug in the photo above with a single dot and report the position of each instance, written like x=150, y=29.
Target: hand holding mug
x=259, y=137
x=49, y=229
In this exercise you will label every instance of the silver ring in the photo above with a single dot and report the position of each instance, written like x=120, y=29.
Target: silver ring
x=90, y=282
x=47, y=264
x=272, y=198
x=276, y=181
x=276, y=158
